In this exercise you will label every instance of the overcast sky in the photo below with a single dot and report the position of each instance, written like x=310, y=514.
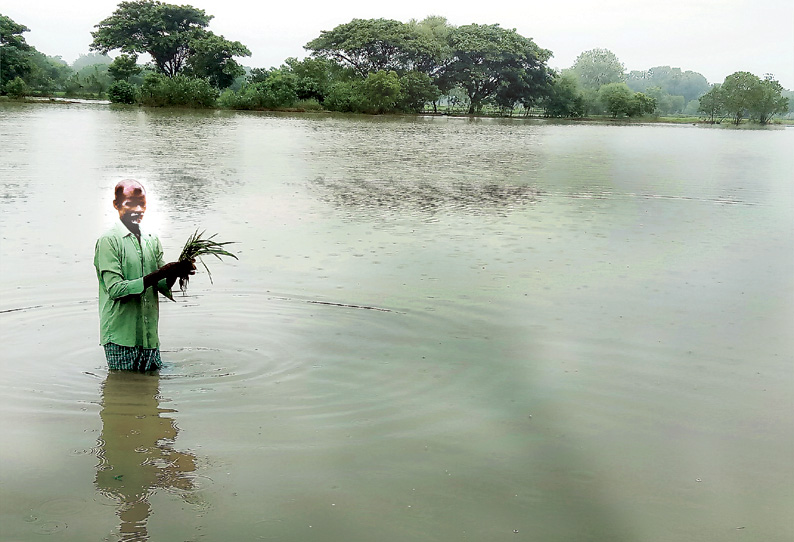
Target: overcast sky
x=713, y=37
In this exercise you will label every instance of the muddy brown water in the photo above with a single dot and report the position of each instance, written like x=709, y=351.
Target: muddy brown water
x=439, y=330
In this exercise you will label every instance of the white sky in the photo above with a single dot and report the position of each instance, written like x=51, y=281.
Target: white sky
x=713, y=37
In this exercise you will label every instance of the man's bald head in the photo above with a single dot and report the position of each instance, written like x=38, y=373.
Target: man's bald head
x=128, y=187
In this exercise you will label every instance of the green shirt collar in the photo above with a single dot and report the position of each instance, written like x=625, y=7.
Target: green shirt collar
x=123, y=231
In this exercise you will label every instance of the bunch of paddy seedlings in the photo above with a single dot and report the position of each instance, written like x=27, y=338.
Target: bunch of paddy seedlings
x=196, y=247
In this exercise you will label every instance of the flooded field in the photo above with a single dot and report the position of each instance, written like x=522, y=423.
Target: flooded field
x=438, y=330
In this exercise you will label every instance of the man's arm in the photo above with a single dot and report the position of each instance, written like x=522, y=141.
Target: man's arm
x=107, y=261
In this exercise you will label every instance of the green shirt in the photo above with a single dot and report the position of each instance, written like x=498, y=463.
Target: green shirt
x=128, y=316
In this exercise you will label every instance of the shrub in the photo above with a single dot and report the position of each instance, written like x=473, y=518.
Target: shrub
x=159, y=90
x=271, y=90
x=17, y=88
x=616, y=98
x=278, y=90
x=122, y=92
x=228, y=99
x=345, y=97
x=382, y=91
x=310, y=104
x=416, y=89
x=641, y=104
x=248, y=97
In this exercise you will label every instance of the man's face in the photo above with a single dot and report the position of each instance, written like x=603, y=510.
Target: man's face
x=131, y=206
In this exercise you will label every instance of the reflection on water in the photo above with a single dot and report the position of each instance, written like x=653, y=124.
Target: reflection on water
x=136, y=450
x=377, y=197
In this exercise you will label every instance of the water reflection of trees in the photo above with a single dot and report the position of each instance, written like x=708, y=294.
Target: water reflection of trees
x=423, y=197
x=136, y=454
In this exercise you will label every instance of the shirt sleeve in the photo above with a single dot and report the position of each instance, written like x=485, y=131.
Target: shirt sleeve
x=107, y=260
x=162, y=285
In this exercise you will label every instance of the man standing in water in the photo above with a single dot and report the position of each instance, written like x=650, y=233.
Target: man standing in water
x=130, y=270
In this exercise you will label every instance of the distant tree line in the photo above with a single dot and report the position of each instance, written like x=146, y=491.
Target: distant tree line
x=367, y=66
x=24, y=70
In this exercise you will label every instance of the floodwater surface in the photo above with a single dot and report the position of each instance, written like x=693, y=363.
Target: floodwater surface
x=438, y=329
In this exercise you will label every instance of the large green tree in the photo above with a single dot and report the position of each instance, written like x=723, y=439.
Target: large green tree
x=15, y=58
x=712, y=103
x=739, y=91
x=372, y=45
x=148, y=26
x=369, y=46
x=212, y=57
x=743, y=95
x=174, y=36
x=598, y=67
x=619, y=99
x=488, y=59
x=768, y=100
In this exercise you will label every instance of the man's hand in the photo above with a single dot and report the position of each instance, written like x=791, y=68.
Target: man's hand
x=170, y=271
x=181, y=269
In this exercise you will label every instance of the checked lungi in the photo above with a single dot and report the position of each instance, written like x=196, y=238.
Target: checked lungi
x=132, y=358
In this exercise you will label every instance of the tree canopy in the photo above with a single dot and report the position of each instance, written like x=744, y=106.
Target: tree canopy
x=488, y=62
x=711, y=103
x=11, y=33
x=14, y=51
x=372, y=45
x=123, y=67
x=488, y=59
x=619, y=99
x=673, y=81
x=744, y=94
x=432, y=52
x=598, y=67
x=174, y=36
x=212, y=57
x=769, y=100
x=90, y=59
